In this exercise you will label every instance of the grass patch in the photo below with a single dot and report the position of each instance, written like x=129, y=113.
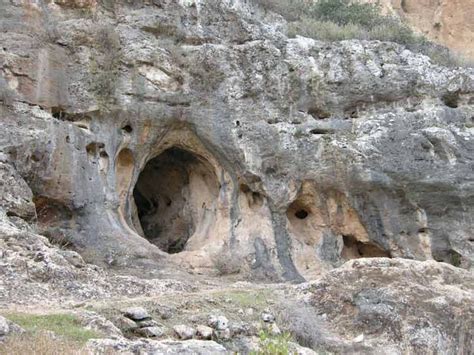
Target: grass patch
x=66, y=326
x=257, y=299
x=39, y=343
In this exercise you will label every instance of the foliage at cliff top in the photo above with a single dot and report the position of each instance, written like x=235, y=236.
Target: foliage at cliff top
x=337, y=20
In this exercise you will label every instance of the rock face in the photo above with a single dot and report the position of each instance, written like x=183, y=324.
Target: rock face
x=398, y=306
x=172, y=132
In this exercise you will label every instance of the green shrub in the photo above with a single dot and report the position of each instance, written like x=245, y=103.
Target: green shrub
x=344, y=12
x=291, y=10
x=336, y=20
x=273, y=344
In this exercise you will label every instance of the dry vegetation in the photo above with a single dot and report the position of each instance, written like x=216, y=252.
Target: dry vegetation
x=51, y=334
x=336, y=20
x=40, y=343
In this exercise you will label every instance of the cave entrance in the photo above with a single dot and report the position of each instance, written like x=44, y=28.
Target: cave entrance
x=175, y=195
x=354, y=249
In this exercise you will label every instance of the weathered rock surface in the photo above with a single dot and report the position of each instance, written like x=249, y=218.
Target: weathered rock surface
x=198, y=347
x=399, y=306
x=136, y=313
x=184, y=332
x=204, y=332
x=283, y=146
x=35, y=272
x=149, y=137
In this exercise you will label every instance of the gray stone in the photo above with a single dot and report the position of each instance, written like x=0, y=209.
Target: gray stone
x=223, y=334
x=184, y=332
x=94, y=321
x=204, y=332
x=151, y=332
x=218, y=322
x=126, y=324
x=136, y=313
x=147, y=323
x=4, y=326
x=197, y=347
x=268, y=317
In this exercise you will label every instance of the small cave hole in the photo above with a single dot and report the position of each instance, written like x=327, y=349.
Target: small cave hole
x=301, y=214
x=237, y=123
x=12, y=214
x=91, y=149
x=451, y=99
x=103, y=154
x=127, y=128
x=321, y=131
x=245, y=188
x=175, y=196
x=36, y=156
x=255, y=199
x=318, y=113
x=455, y=258
x=58, y=113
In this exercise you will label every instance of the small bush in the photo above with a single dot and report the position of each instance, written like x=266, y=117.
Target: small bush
x=303, y=323
x=344, y=12
x=290, y=10
x=273, y=344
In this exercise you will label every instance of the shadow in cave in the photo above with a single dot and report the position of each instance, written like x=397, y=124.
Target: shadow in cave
x=175, y=193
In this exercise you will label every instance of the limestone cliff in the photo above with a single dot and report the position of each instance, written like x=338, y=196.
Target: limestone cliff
x=147, y=147
x=178, y=132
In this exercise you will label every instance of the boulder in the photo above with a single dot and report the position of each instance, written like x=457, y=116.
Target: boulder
x=184, y=332
x=136, y=313
x=204, y=332
x=151, y=332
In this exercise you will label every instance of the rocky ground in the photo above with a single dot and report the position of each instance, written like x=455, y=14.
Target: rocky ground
x=373, y=305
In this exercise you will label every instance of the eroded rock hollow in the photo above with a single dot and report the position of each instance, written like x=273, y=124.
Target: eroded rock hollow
x=175, y=196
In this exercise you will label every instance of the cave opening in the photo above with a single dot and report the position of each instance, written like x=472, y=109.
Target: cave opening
x=354, y=249
x=301, y=214
x=175, y=195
